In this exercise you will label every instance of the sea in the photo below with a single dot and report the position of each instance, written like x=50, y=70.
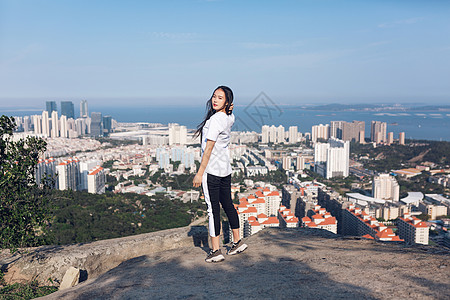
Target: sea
x=418, y=125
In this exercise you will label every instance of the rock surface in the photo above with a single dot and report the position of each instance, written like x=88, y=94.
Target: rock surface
x=279, y=264
x=96, y=258
x=70, y=279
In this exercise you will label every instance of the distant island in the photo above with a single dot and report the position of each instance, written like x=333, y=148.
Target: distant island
x=374, y=107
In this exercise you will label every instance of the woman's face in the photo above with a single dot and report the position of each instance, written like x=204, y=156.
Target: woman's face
x=218, y=100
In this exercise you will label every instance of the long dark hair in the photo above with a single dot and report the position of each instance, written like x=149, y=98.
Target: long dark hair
x=210, y=110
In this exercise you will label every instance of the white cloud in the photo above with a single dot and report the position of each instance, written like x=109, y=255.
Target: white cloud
x=400, y=22
x=174, y=35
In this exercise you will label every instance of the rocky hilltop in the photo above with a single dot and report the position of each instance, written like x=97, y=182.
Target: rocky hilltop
x=279, y=263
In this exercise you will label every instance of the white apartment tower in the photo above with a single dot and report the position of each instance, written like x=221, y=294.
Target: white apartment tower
x=177, y=134
x=84, y=113
x=55, y=124
x=332, y=159
x=37, y=123
x=265, y=134
x=96, y=180
x=320, y=132
x=63, y=123
x=280, y=134
x=293, y=134
x=378, y=132
x=338, y=155
x=45, y=124
x=385, y=187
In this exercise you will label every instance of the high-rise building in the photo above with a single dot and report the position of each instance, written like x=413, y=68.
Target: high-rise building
x=385, y=187
x=96, y=180
x=84, y=113
x=320, y=132
x=353, y=131
x=332, y=159
x=107, y=124
x=413, y=230
x=37, y=124
x=336, y=128
x=390, y=139
x=293, y=134
x=177, y=134
x=273, y=134
x=80, y=126
x=67, y=109
x=338, y=156
x=55, y=125
x=96, y=124
x=265, y=134
x=45, y=124
x=51, y=107
x=85, y=169
x=280, y=134
x=63, y=128
x=69, y=174
x=401, y=138
x=378, y=132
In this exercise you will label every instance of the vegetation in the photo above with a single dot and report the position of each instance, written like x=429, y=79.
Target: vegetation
x=386, y=158
x=23, y=290
x=81, y=217
x=24, y=207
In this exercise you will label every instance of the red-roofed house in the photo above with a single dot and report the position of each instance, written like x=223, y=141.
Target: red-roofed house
x=413, y=230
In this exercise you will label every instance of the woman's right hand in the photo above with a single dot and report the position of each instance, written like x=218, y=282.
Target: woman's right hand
x=197, y=180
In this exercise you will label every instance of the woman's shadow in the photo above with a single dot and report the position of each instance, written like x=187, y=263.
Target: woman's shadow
x=200, y=237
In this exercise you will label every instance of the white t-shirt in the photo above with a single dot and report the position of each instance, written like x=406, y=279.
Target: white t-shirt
x=218, y=128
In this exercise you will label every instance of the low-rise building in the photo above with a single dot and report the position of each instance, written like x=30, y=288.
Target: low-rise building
x=320, y=218
x=413, y=230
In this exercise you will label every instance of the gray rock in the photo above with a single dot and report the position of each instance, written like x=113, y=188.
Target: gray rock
x=70, y=279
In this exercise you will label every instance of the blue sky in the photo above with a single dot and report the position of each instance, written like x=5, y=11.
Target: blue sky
x=145, y=52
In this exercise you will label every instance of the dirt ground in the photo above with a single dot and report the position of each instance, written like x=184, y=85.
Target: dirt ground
x=279, y=264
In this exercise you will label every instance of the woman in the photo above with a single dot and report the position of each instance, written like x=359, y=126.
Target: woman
x=214, y=173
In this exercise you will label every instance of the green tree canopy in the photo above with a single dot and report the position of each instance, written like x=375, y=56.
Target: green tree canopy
x=23, y=205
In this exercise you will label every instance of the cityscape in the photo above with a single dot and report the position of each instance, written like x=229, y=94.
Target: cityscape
x=378, y=213
x=338, y=147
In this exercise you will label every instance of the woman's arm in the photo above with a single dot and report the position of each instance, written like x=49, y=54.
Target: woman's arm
x=205, y=159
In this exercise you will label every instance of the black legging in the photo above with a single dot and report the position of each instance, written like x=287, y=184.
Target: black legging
x=218, y=189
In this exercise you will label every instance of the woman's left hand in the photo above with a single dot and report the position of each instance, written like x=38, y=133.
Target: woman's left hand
x=197, y=180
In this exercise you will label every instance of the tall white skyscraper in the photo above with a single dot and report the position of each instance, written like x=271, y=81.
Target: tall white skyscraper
x=37, y=123
x=265, y=134
x=378, y=131
x=293, y=134
x=177, y=134
x=385, y=187
x=332, y=159
x=273, y=134
x=320, y=132
x=63, y=123
x=55, y=124
x=280, y=134
x=45, y=124
x=84, y=113
x=338, y=157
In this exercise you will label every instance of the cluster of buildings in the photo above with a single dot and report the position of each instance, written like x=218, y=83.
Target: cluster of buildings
x=65, y=125
x=262, y=208
x=73, y=174
x=332, y=159
x=320, y=218
x=277, y=135
x=355, y=131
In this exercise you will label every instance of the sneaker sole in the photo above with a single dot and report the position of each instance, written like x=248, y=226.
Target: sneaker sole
x=242, y=248
x=216, y=259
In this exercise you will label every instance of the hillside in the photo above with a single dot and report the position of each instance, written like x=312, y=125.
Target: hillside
x=287, y=264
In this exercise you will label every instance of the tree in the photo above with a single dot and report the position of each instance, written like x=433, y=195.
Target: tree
x=24, y=207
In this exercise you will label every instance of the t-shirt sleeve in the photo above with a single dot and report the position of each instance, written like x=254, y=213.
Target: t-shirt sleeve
x=215, y=128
